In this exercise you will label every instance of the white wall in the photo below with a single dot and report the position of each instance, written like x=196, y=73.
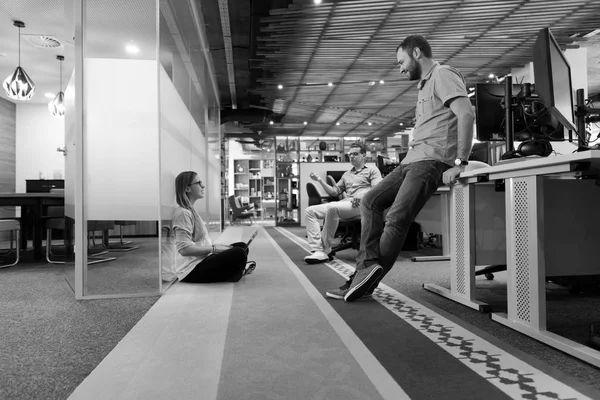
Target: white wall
x=38, y=135
x=184, y=147
x=121, y=139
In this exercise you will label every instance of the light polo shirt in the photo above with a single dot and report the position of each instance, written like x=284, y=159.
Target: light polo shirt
x=435, y=133
x=357, y=182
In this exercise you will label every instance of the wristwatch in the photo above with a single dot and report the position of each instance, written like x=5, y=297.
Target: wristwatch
x=461, y=161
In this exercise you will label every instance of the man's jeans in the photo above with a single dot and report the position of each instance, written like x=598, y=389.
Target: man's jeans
x=405, y=191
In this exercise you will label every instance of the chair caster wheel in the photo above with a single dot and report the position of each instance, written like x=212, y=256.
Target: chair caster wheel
x=489, y=277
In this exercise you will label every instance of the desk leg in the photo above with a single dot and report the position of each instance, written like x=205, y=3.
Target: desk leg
x=462, y=250
x=526, y=270
x=38, y=233
x=445, y=215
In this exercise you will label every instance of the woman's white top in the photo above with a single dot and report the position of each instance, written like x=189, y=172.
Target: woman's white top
x=189, y=229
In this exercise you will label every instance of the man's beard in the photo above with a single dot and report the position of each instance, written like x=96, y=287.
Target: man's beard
x=414, y=70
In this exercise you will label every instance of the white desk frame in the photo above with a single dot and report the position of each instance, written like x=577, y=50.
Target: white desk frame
x=462, y=249
x=444, y=193
x=525, y=229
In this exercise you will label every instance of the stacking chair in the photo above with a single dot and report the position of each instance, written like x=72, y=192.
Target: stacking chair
x=55, y=220
x=14, y=227
x=121, y=245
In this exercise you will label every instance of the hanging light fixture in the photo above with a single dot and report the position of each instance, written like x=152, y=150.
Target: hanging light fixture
x=57, y=106
x=19, y=85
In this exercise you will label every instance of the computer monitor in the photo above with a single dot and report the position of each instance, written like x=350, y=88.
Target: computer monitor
x=530, y=117
x=337, y=175
x=553, y=78
x=489, y=111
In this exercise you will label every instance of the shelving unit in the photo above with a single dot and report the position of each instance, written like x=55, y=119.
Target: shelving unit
x=287, y=181
x=268, y=192
x=241, y=180
x=254, y=182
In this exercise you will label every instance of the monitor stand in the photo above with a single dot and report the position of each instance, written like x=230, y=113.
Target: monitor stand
x=509, y=129
x=583, y=115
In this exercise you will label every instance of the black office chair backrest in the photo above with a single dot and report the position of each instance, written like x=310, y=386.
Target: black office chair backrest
x=330, y=180
x=314, y=197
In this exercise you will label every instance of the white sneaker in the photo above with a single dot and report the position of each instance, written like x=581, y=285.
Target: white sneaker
x=316, y=258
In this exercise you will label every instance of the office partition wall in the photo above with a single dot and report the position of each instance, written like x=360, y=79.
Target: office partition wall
x=142, y=111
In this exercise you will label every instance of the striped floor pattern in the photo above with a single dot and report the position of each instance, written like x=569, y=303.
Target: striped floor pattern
x=275, y=336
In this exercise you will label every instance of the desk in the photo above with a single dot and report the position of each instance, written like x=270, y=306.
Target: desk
x=33, y=203
x=551, y=229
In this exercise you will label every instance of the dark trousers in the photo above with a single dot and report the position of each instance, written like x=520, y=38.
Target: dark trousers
x=405, y=191
x=227, y=266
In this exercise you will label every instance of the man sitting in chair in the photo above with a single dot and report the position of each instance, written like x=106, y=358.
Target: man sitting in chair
x=355, y=183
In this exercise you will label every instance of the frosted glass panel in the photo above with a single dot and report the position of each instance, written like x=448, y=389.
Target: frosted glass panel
x=121, y=149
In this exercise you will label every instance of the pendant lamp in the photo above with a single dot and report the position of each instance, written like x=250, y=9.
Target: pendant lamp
x=19, y=85
x=57, y=106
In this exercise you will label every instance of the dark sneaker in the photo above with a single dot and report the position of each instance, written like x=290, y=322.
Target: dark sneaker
x=362, y=282
x=340, y=292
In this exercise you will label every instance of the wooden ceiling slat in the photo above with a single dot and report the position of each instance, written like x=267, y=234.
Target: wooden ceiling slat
x=351, y=42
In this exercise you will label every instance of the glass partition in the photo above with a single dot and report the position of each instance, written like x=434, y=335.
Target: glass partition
x=117, y=193
x=142, y=110
x=190, y=127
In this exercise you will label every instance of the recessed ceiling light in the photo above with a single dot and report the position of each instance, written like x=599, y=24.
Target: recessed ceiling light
x=401, y=123
x=132, y=48
x=381, y=82
x=330, y=84
x=491, y=76
x=50, y=95
x=305, y=123
x=370, y=123
x=271, y=122
x=317, y=1
x=279, y=86
x=337, y=123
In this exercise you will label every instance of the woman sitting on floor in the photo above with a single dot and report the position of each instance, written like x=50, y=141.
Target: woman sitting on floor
x=198, y=260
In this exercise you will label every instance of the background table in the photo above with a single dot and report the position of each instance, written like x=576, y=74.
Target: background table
x=32, y=205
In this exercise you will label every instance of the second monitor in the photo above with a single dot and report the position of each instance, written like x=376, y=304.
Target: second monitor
x=531, y=118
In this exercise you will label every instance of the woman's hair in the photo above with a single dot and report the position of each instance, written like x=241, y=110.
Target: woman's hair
x=182, y=182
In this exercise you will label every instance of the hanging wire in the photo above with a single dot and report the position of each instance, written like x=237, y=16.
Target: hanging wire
x=18, y=26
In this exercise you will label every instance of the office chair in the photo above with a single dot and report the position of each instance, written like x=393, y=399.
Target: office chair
x=348, y=230
x=350, y=238
x=315, y=197
x=240, y=212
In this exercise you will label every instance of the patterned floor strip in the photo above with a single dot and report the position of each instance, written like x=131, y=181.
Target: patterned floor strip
x=513, y=376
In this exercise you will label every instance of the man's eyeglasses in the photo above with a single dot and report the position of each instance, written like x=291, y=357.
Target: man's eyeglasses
x=353, y=154
x=199, y=183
